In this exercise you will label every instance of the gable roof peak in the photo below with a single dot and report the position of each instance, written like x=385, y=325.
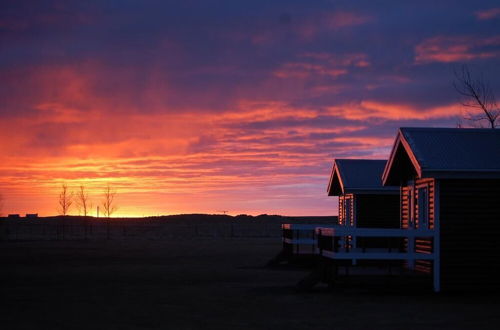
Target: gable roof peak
x=444, y=153
x=362, y=176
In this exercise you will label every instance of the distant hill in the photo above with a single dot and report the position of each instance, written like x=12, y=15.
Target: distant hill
x=191, y=218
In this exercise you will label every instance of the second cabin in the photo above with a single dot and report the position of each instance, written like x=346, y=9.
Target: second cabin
x=363, y=201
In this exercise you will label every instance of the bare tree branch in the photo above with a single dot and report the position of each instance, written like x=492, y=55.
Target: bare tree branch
x=476, y=93
x=83, y=203
x=65, y=200
x=108, y=202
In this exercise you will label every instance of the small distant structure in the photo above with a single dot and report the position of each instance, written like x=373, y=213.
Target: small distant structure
x=31, y=215
x=450, y=184
x=14, y=216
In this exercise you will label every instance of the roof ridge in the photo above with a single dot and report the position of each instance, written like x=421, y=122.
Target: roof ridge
x=361, y=160
x=464, y=129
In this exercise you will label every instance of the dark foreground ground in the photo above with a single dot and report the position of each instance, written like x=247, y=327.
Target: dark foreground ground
x=204, y=284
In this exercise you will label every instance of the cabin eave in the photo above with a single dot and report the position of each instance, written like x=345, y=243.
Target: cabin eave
x=402, y=164
x=335, y=185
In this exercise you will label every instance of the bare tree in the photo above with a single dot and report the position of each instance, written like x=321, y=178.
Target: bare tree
x=108, y=202
x=477, y=93
x=83, y=202
x=65, y=200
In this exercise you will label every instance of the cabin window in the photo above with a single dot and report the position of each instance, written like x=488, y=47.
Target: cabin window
x=423, y=207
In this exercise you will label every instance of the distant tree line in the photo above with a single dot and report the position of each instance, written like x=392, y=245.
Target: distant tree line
x=83, y=203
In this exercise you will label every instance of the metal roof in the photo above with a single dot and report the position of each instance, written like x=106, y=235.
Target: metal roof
x=447, y=152
x=362, y=176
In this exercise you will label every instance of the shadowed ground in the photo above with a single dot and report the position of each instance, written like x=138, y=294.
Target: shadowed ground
x=204, y=283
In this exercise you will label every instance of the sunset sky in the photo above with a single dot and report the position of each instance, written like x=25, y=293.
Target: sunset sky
x=204, y=106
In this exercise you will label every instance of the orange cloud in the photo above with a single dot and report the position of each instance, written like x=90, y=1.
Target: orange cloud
x=330, y=21
x=308, y=28
x=390, y=111
x=72, y=137
x=160, y=160
x=344, y=60
x=305, y=70
x=322, y=64
x=340, y=19
x=487, y=14
x=454, y=49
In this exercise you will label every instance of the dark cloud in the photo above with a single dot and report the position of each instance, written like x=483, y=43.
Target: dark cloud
x=208, y=56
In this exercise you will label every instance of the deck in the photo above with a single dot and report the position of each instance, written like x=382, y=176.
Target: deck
x=345, y=243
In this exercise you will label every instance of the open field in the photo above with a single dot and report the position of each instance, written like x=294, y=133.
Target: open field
x=152, y=228
x=208, y=283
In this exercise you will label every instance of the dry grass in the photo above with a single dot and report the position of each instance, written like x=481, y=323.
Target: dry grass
x=202, y=284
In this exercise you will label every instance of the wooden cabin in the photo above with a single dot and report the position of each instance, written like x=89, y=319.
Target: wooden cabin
x=449, y=180
x=363, y=201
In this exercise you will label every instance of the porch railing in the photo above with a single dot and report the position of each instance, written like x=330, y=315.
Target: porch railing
x=339, y=243
x=300, y=238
